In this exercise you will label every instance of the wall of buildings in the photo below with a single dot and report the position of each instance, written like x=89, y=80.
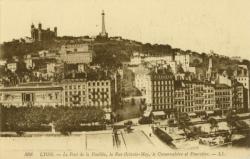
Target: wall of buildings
x=223, y=97
x=99, y=94
x=209, y=97
x=74, y=92
x=76, y=53
x=33, y=95
x=241, y=74
x=70, y=92
x=162, y=91
x=179, y=96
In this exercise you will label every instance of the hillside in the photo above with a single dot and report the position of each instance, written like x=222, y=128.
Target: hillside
x=111, y=53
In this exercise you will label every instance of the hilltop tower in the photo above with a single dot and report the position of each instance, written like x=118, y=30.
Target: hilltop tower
x=103, y=33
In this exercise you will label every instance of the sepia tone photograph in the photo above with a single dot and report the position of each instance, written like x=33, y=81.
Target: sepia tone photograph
x=124, y=79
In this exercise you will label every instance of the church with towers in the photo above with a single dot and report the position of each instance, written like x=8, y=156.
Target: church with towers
x=39, y=34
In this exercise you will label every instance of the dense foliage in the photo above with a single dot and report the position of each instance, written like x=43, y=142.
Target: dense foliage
x=19, y=49
x=39, y=118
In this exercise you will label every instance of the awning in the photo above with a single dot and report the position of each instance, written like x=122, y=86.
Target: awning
x=158, y=113
x=217, y=117
x=243, y=115
x=209, y=112
x=192, y=114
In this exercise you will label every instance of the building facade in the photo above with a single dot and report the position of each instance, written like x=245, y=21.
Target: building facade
x=198, y=96
x=70, y=92
x=179, y=96
x=76, y=53
x=209, y=97
x=162, y=91
x=239, y=97
x=34, y=94
x=99, y=94
x=74, y=92
x=241, y=74
x=223, y=97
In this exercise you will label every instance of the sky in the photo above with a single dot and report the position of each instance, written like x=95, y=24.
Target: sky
x=199, y=25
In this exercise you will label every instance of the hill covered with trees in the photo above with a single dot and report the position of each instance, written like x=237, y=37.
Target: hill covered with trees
x=111, y=53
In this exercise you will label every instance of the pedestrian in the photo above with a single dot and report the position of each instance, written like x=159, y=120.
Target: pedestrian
x=149, y=134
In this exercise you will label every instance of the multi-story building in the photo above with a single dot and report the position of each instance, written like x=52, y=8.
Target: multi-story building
x=29, y=63
x=189, y=96
x=99, y=94
x=241, y=74
x=223, y=97
x=162, y=91
x=76, y=53
x=74, y=92
x=183, y=59
x=209, y=97
x=239, y=97
x=198, y=96
x=155, y=59
x=194, y=96
x=32, y=94
x=221, y=79
x=179, y=96
x=143, y=83
x=70, y=92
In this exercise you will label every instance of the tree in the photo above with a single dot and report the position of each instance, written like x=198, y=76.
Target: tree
x=183, y=122
x=213, y=124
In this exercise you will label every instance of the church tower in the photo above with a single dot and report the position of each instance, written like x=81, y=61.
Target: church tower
x=40, y=32
x=209, y=71
x=32, y=30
